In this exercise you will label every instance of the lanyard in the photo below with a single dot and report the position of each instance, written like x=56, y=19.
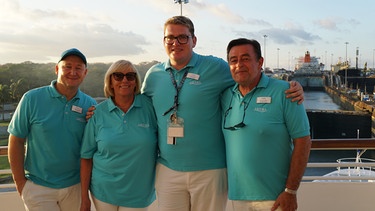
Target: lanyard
x=178, y=88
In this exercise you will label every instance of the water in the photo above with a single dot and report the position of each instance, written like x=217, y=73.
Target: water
x=321, y=100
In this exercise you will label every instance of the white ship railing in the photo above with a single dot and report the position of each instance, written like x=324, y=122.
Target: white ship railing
x=317, y=192
x=360, y=145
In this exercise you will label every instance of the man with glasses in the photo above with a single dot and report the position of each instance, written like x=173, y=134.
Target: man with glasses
x=185, y=90
x=267, y=136
x=51, y=121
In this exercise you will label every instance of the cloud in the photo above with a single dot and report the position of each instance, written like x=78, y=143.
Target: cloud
x=336, y=24
x=353, y=22
x=225, y=13
x=291, y=36
x=99, y=39
x=220, y=10
x=328, y=23
x=281, y=36
x=40, y=35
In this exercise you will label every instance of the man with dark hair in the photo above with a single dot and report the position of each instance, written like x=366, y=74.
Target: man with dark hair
x=267, y=136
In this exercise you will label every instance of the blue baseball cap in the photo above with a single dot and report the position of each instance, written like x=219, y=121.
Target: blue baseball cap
x=73, y=51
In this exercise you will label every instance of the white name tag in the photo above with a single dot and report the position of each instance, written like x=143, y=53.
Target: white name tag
x=176, y=131
x=173, y=133
x=193, y=76
x=263, y=99
x=77, y=109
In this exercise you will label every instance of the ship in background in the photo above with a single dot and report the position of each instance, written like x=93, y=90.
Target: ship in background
x=309, y=72
x=308, y=65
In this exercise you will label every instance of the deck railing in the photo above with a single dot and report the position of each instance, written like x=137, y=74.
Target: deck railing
x=324, y=193
x=362, y=144
x=317, y=144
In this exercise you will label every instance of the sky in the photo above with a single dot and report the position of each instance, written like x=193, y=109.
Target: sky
x=106, y=31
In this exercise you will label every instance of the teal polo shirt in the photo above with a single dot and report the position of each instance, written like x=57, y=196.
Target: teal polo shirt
x=53, y=128
x=123, y=147
x=259, y=154
x=202, y=146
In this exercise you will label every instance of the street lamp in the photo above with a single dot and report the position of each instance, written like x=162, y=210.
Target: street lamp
x=373, y=58
x=180, y=2
x=278, y=49
x=356, y=58
x=346, y=63
x=346, y=51
x=325, y=62
x=264, y=60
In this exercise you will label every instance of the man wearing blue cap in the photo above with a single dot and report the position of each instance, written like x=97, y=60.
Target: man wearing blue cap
x=51, y=121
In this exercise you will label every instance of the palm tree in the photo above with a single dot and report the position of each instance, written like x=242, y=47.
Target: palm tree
x=4, y=96
x=15, y=91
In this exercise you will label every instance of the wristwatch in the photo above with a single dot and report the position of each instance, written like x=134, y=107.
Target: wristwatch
x=290, y=191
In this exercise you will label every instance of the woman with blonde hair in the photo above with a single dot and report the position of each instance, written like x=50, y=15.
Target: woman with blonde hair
x=118, y=152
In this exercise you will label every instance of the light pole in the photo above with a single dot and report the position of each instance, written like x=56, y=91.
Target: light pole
x=325, y=62
x=180, y=2
x=346, y=51
x=356, y=58
x=346, y=63
x=373, y=59
x=264, y=60
x=278, y=49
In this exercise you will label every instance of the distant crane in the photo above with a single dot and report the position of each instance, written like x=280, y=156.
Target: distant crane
x=180, y=2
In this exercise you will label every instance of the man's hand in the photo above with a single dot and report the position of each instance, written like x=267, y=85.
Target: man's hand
x=20, y=184
x=85, y=204
x=287, y=202
x=295, y=92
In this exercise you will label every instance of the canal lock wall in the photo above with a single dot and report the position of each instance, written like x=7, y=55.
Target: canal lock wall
x=355, y=120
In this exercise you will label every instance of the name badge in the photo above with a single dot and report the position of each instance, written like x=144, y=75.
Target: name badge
x=193, y=76
x=175, y=129
x=77, y=109
x=263, y=99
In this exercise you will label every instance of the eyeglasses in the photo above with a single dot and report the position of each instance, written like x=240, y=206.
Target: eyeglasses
x=130, y=76
x=182, y=39
x=239, y=125
x=236, y=126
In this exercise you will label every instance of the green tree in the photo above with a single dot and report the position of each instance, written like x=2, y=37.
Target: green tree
x=4, y=97
x=15, y=89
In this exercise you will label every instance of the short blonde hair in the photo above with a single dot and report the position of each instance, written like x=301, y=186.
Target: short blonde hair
x=181, y=20
x=117, y=67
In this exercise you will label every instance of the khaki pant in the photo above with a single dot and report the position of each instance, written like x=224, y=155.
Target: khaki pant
x=191, y=191
x=103, y=206
x=253, y=205
x=39, y=198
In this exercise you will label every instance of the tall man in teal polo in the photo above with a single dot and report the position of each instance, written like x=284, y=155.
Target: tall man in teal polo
x=51, y=121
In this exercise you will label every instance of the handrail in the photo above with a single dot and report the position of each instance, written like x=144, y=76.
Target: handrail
x=337, y=144
x=3, y=150
x=317, y=144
